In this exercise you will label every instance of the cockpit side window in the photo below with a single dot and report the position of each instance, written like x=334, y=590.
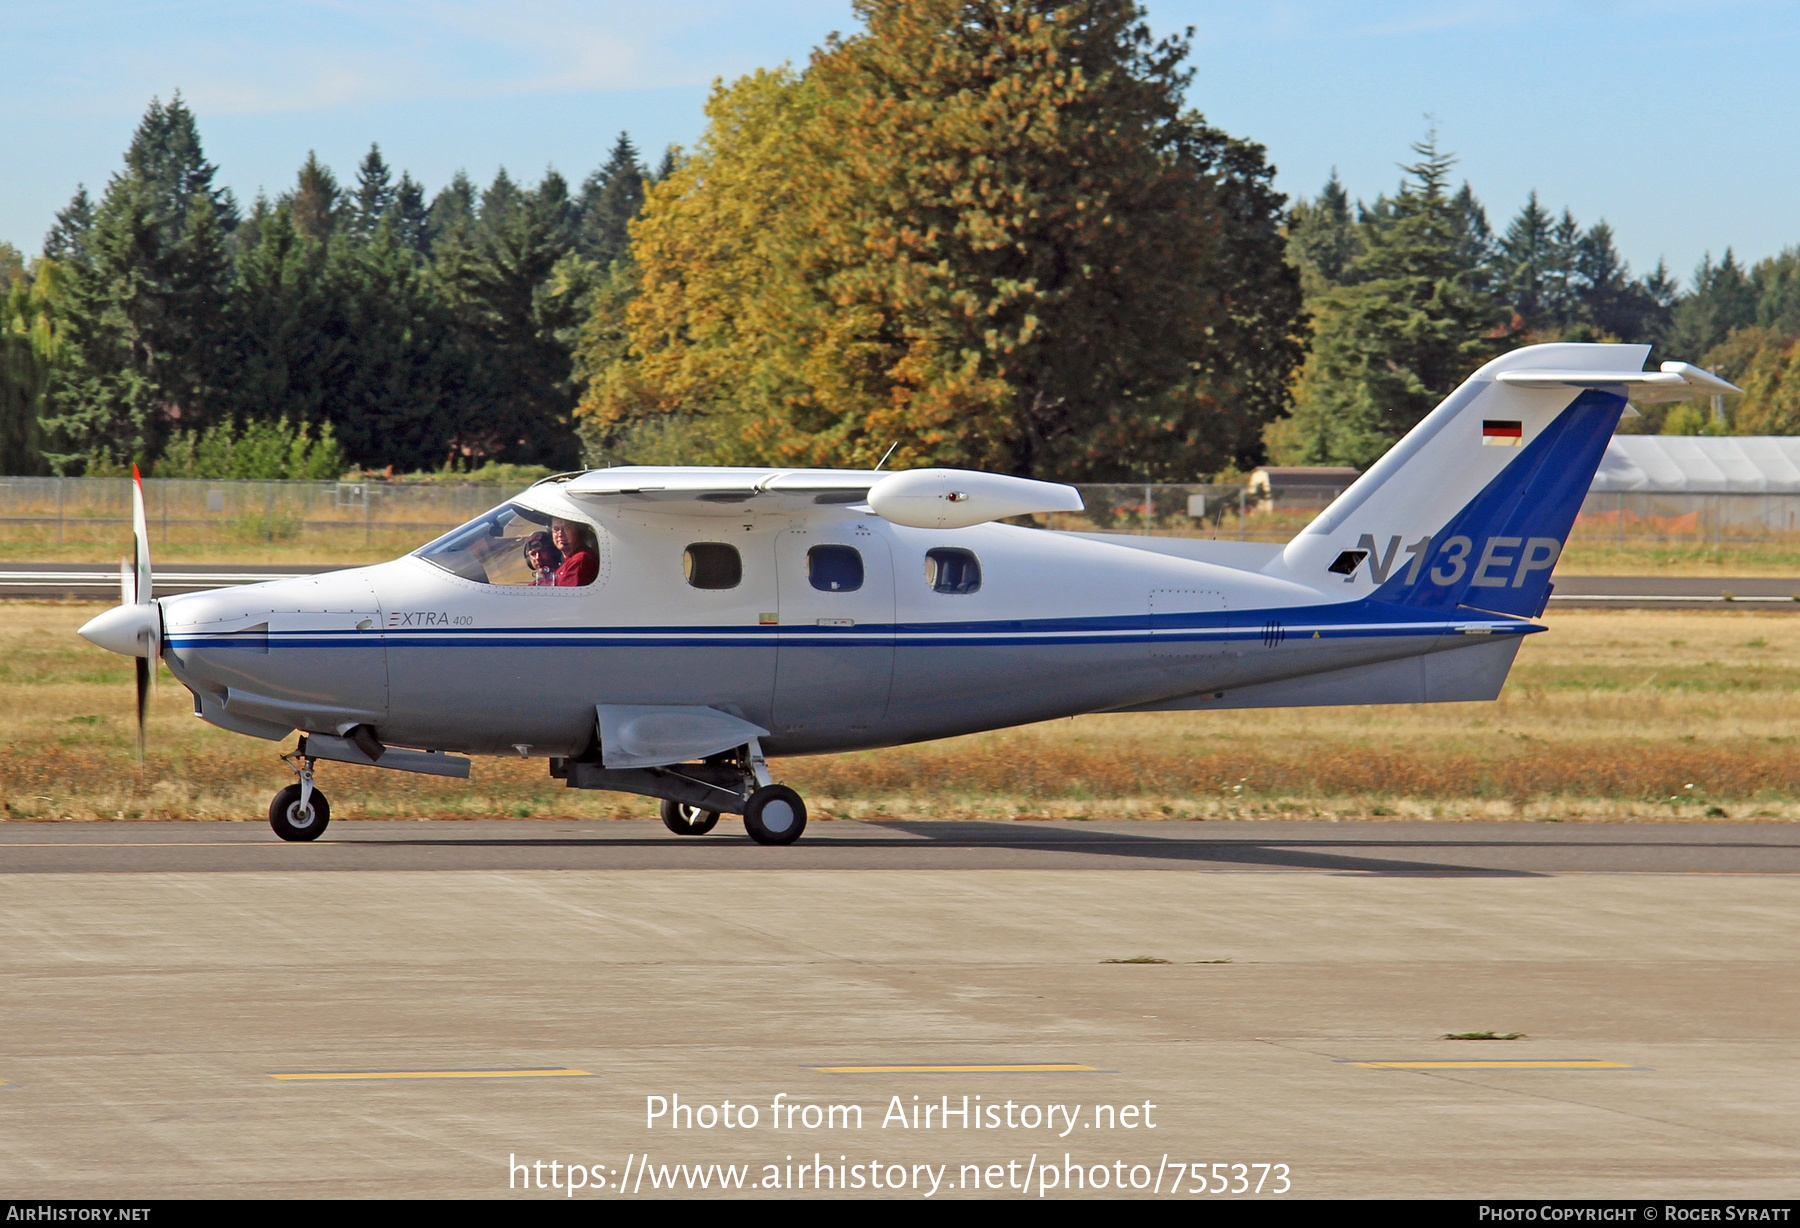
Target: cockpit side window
x=950, y=570
x=712, y=565
x=521, y=547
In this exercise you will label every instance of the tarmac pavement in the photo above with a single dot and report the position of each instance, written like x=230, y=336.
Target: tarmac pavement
x=441, y=1008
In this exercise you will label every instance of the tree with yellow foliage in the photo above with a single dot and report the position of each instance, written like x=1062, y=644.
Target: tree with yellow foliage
x=987, y=231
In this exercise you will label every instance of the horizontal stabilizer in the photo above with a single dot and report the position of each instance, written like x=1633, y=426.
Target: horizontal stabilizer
x=1677, y=381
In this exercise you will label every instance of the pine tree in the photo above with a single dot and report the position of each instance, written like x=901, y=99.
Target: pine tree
x=499, y=199
x=611, y=197
x=375, y=194
x=1417, y=314
x=316, y=201
x=498, y=279
x=73, y=221
x=1723, y=298
x=452, y=213
x=1527, y=255
x=145, y=302
x=412, y=219
x=1562, y=282
x=1322, y=236
x=1777, y=282
x=285, y=335
x=165, y=153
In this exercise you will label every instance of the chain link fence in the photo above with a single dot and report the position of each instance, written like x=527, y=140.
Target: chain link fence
x=396, y=517
x=182, y=510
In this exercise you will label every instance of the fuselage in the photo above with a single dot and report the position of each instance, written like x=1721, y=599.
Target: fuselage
x=1052, y=625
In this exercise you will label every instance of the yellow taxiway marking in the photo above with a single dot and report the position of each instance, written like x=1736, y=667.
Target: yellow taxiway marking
x=555, y=1072
x=1517, y=1064
x=945, y=1070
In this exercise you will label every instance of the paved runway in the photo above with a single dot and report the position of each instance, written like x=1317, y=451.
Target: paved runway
x=474, y=996
x=97, y=582
x=1348, y=848
x=91, y=581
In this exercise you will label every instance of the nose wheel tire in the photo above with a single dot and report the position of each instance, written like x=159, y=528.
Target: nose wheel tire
x=292, y=823
x=686, y=820
x=774, y=814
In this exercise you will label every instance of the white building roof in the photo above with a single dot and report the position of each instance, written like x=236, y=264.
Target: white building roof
x=1701, y=464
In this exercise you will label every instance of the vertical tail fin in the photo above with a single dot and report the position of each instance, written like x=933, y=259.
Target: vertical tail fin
x=1473, y=506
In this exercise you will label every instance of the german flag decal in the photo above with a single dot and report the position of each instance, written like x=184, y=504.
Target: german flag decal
x=1502, y=434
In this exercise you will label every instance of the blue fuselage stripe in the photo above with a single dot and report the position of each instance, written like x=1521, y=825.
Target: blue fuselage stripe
x=1342, y=622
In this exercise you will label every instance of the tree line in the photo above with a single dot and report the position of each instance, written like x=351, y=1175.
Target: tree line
x=1410, y=294
x=974, y=232
x=164, y=322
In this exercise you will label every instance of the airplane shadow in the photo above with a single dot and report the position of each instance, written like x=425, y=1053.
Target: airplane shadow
x=1269, y=853
x=1285, y=854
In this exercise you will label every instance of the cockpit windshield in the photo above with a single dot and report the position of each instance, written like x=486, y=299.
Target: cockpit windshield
x=518, y=546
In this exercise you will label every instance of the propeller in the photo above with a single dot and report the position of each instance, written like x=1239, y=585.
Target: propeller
x=133, y=628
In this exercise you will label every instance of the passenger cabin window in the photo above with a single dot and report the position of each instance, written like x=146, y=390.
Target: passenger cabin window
x=712, y=565
x=519, y=546
x=949, y=570
x=834, y=569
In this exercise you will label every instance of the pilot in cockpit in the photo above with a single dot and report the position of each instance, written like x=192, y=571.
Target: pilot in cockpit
x=580, y=551
x=542, y=556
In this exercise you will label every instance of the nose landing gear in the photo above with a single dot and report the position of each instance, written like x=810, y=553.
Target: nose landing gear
x=300, y=812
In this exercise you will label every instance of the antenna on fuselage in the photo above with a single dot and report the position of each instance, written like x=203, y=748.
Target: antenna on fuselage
x=885, y=455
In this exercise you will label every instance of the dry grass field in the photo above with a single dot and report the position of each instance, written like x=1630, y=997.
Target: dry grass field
x=101, y=543
x=1609, y=715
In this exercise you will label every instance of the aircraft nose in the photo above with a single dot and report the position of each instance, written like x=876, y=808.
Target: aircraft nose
x=124, y=629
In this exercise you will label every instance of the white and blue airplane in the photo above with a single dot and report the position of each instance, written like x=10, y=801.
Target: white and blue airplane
x=659, y=631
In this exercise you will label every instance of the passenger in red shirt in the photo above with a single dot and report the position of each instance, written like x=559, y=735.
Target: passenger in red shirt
x=581, y=554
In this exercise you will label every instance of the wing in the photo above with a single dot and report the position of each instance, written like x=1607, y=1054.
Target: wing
x=920, y=498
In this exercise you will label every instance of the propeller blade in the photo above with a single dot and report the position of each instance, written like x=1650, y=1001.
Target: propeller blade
x=153, y=645
x=127, y=582
x=143, y=594
x=145, y=667
x=142, y=534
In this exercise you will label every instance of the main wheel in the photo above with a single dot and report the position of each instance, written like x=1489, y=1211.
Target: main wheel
x=686, y=820
x=774, y=815
x=292, y=823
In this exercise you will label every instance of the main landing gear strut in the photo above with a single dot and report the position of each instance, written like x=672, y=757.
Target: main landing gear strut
x=694, y=795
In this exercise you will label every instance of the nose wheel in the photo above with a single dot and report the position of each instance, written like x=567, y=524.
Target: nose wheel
x=299, y=812
x=294, y=819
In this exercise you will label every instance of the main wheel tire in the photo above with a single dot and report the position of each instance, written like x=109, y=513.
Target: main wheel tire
x=291, y=823
x=686, y=820
x=774, y=814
